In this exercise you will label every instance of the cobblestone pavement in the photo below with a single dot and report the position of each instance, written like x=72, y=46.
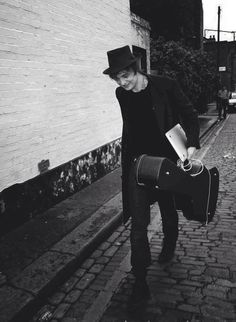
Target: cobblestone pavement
x=199, y=284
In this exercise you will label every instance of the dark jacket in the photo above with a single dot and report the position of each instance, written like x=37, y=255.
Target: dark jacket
x=171, y=106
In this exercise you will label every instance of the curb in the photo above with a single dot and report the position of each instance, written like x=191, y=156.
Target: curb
x=30, y=307
x=204, y=133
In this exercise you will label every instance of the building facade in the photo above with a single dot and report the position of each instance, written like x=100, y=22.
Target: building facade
x=173, y=19
x=227, y=60
x=60, y=121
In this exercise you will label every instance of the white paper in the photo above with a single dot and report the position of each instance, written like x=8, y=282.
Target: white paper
x=178, y=140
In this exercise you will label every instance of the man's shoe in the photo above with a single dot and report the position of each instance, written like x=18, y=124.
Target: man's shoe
x=140, y=294
x=166, y=255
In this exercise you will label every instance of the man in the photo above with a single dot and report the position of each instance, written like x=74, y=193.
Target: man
x=223, y=96
x=150, y=106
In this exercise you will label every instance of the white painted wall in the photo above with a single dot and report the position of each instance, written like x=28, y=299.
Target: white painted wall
x=55, y=103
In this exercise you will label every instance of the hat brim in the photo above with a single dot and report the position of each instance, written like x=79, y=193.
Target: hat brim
x=116, y=70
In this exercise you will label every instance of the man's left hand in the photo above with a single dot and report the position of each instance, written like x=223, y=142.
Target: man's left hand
x=191, y=150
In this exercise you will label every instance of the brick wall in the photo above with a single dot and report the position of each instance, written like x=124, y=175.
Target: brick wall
x=55, y=102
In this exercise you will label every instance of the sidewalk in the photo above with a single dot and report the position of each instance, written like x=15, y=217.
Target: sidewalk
x=41, y=253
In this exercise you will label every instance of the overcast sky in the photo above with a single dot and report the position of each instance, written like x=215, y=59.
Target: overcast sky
x=227, y=20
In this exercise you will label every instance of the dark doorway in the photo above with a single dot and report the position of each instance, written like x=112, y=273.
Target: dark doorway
x=142, y=55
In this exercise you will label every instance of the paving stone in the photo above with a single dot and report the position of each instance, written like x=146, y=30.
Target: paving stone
x=157, y=271
x=56, y=298
x=98, y=285
x=195, y=301
x=178, y=270
x=220, y=303
x=110, y=268
x=192, y=261
x=110, y=251
x=217, y=272
x=96, y=254
x=220, y=288
x=213, y=312
x=97, y=268
x=214, y=293
x=166, y=300
x=85, y=281
x=113, y=237
x=185, y=288
x=178, y=275
x=102, y=260
x=121, y=228
x=196, y=271
x=202, y=278
x=80, y=272
x=90, y=293
x=165, y=280
x=190, y=283
x=61, y=311
x=72, y=296
x=189, y=308
x=77, y=311
x=104, y=246
x=70, y=283
x=106, y=274
x=88, y=263
x=174, y=316
x=168, y=291
x=126, y=233
x=122, y=239
x=88, y=296
x=122, y=251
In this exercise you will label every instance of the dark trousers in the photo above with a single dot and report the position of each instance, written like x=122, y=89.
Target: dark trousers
x=139, y=201
x=222, y=107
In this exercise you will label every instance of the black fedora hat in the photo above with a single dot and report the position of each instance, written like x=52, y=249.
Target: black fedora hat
x=119, y=59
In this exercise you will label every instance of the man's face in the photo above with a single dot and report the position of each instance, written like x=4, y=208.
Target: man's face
x=126, y=79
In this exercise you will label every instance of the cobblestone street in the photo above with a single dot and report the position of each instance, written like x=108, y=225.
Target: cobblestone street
x=199, y=284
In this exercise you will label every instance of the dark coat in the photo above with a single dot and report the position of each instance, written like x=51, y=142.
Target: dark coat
x=171, y=106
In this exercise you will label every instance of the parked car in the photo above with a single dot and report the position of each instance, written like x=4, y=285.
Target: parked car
x=232, y=102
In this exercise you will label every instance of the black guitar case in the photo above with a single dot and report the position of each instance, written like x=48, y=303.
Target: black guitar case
x=195, y=195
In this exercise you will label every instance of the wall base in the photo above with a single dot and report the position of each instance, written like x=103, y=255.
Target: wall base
x=22, y=202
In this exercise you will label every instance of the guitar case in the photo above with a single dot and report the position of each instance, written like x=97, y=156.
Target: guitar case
x=196, y=196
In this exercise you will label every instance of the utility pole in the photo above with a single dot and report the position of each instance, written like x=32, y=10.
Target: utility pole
x=218, y=56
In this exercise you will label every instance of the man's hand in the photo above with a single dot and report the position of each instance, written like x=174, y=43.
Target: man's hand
x=191, y=150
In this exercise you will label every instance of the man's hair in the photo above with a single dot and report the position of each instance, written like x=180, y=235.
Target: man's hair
x=134, y=67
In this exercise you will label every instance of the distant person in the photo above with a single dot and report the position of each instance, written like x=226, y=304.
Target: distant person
x=223, y=99
x=150, y=106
